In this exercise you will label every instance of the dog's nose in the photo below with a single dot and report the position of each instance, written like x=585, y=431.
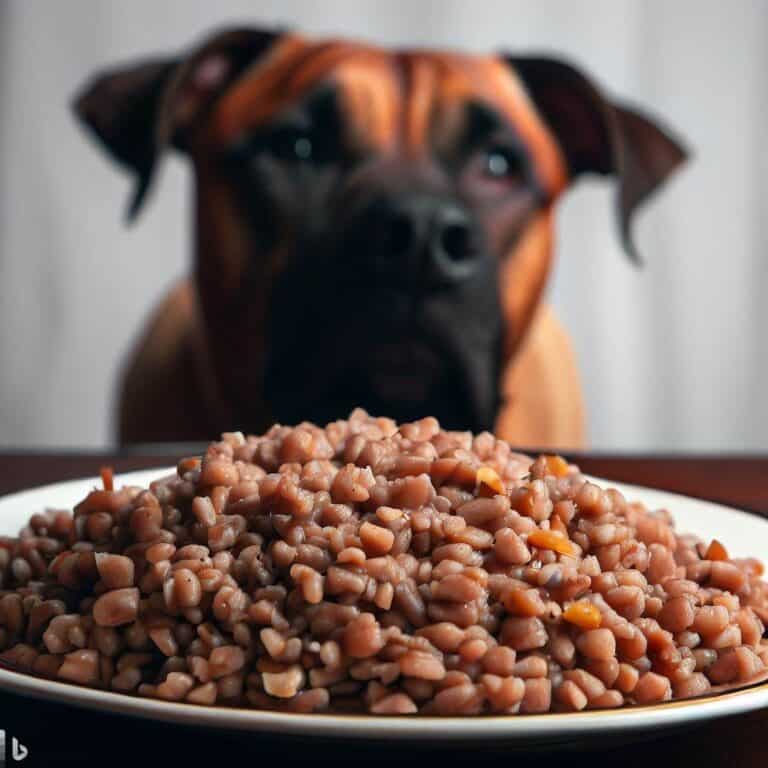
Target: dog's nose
x=423, y=240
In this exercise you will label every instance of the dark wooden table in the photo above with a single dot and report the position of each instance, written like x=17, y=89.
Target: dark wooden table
x=60, y=735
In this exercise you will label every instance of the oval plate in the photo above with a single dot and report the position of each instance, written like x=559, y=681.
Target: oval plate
x=743, y=534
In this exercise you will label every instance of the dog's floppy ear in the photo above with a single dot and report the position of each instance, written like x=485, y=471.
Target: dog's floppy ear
x=600, y=136
x=138, y=109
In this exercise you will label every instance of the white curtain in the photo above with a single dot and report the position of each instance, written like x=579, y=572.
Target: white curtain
x=673, y=356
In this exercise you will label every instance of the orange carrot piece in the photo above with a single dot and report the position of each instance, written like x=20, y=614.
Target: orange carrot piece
x=107, y=478
x=716, y=551
x=553, y=540
x=583, y=614
x=556, y=465
x=525, y=503
x=488, y=482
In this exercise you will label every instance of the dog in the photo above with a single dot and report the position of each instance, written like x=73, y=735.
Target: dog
x=373, y=228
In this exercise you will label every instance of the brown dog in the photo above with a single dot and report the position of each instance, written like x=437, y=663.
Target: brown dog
x=373, y=228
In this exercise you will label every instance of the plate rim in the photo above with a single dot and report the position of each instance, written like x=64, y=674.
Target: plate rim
x=508, y=727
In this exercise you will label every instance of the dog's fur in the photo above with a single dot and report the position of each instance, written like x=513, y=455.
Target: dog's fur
x=252, y=336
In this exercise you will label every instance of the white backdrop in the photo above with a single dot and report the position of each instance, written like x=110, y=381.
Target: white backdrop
x=672, y=356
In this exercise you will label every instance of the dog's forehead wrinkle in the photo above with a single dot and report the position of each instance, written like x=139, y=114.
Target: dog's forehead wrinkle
x=391, y=99
x=413, y=88
x=318, y=104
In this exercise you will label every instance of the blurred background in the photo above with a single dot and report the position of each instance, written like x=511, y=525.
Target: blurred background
x=672, y=355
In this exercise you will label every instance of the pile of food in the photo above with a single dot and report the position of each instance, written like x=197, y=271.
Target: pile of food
x=387, y=568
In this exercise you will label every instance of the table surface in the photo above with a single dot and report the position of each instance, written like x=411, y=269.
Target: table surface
x=59, y=735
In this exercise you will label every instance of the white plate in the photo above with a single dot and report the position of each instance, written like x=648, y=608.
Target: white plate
x=743, y=534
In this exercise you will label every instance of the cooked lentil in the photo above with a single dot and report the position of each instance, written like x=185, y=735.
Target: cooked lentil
x=365, y=565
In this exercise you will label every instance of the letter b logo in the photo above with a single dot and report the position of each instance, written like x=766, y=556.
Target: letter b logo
x=18, y=750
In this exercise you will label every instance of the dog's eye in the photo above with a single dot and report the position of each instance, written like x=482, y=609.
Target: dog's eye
x=502, y=163
x=293, y=145
x=302, y=148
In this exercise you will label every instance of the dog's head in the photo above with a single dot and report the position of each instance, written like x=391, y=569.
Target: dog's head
x=373, y=226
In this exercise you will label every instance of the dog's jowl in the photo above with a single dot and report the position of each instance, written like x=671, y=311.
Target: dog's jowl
x=373, y=228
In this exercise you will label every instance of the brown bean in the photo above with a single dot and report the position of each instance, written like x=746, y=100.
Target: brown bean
x=203, y=510
x=225, y=660
x=627, y=601
x=376, y=540
x=394, y=704
x=116, y=571
x=500, y=661
x=421, y=665
x=530, y=667
x=661, y=565
x=80, y=667
x=652, y=687
x=218, y=472
x=627, y=678
x=735, y=664
x=203, y=694
x=182, y=590
x=284, y=684
x=570, y=696
x=523, y=634
x=537, y=697
x=727, y=576
x=463, y=699
x=309, y=581
x=591, y=686
x=503, y=693
x=175, y=687
x=730, y=637
x=456, y=588
x=362, y=637
x=127, y=680
x=479, y=512
x=606, y=670
x=599, y=644
x=115, y=608
x=677, y=614
x=146, y=523
x=163, y=638
x=510, y=548
x=694, y=685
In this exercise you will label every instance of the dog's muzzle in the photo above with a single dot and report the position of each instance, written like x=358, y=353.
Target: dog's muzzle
x=403, y=299
x=417, y=241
